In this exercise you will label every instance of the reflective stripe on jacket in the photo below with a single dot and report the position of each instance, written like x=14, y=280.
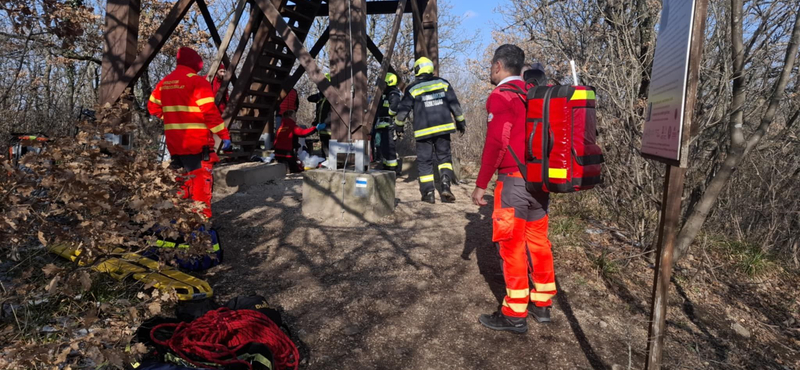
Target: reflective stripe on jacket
x=435, y=105
x=387, y=109
x=185, y=102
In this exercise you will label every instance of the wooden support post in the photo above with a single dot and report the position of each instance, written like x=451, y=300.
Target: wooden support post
x=381, y=85
x=420, y=38
x=373, y=7
x=671, y=201
x=376, y=52
x=154, y=45
x=119, y=45
x=348, y=53
x=430, y=26
x=292, y=80
x=212, y=30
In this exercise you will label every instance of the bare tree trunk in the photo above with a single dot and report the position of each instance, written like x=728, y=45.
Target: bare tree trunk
x=740, y=146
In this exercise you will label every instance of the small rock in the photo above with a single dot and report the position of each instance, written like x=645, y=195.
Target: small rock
x=594, y=231
x=616, y=367
x=603, y=324
x=48, y=329
x=351, y=330
x=739, y=329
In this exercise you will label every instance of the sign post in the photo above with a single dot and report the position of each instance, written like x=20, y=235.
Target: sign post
x=666, y=136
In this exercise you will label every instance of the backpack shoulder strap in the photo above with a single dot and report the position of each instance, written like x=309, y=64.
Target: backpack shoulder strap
x=522, y=94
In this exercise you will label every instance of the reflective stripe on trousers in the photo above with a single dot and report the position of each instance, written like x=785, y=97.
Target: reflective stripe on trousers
x=519, y=226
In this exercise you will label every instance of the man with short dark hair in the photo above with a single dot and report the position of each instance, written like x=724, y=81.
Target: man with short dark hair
x=519, y=220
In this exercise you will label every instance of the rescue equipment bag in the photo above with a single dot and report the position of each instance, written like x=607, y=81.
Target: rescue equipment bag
x=561, y=151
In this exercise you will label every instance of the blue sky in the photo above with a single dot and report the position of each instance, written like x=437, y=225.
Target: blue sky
x=479, y=16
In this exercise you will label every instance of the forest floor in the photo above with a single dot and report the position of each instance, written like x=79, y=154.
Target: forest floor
x=406, y=292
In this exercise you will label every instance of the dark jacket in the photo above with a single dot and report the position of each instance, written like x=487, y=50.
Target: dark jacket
x=323, y=111
x=433, y=100
x=390, y=100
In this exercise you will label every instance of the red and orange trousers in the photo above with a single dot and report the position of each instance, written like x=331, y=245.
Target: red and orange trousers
x=519, y=226
x=197, y=178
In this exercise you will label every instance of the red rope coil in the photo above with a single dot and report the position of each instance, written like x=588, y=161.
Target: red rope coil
x=218, y=335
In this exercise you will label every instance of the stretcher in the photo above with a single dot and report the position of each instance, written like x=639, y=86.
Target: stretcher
x=122, y=265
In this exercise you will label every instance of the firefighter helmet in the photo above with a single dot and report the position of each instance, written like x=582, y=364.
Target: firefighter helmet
x=391, y=79
x=423, y=65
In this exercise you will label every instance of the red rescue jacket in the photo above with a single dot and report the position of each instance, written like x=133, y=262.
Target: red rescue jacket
x=506, y=126
x=284, y=139
x=184, y=101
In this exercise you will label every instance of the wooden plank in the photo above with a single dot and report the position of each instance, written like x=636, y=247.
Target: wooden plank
x=298, y=73
x=154, y=45
x=294, y=44
x=376, y=52
x=119, y=44
x=669, y=225
x=385, y=65
x=222, y=48
x=373, y=7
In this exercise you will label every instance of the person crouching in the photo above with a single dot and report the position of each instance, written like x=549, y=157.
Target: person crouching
x=285, y=151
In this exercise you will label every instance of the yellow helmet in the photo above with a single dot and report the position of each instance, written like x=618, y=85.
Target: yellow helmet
x=423, y=65
x=391, y=79
x=328, y=76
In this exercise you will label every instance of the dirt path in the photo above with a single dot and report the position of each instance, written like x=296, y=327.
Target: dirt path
x=406, y=293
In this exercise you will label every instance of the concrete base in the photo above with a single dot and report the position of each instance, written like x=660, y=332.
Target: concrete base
x=232, y=178
x=367, y=196
x=411, y=172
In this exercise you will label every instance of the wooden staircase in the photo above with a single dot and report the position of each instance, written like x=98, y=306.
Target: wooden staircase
x=255, y=94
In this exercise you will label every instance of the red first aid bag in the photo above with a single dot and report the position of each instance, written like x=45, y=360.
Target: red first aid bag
x=561, y=151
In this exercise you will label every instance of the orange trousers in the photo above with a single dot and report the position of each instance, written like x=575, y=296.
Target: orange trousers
x=197, y=178
x=519, y=226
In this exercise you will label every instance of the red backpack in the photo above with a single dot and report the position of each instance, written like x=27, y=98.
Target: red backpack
x=561, y=151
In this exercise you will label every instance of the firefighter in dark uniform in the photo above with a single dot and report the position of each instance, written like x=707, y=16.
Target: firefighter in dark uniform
x=322, y=115
x=385, y=129
x=435, y=105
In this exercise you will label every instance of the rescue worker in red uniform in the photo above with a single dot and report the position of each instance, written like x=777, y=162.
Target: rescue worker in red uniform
x=519, y=220
x=435, y=106
x=185, y=102
x=285, y=138
x=216, y=86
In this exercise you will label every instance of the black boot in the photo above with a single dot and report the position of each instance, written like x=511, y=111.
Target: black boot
x=447, y=195
x=541, y=314
x=498, y=321
x=429, y=197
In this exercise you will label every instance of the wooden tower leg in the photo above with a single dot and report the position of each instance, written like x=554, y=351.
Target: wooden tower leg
x=348, y=17
x=119, y=45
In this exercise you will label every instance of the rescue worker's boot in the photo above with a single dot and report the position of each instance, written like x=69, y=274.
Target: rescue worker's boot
x=429, y=197
x=498, y=321
x=541, y=314
x=447, y=195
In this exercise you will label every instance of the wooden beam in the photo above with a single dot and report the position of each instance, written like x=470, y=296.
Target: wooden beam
x=385, y=64
x=222, y=45
x=294, y=44
x=376, y=52
x=242, y=85
x=119, y=44
x=348, y=61
x=154, y=45
x=373, y=8
x=298, y=73
x=252, y=26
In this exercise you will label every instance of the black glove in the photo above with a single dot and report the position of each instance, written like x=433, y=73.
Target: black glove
x=461, y=127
